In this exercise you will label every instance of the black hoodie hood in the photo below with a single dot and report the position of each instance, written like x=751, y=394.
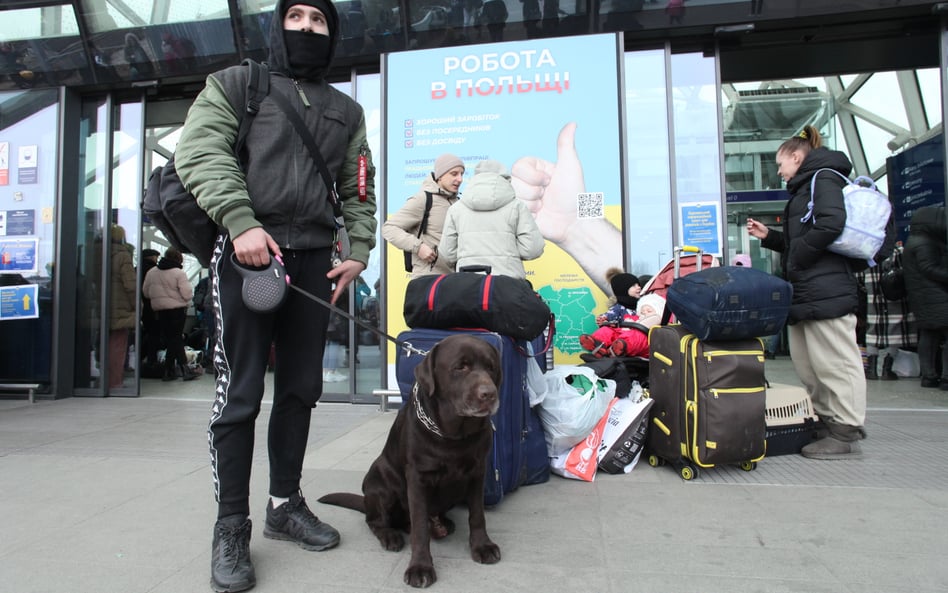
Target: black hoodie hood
x=278, y=60
x=930, y=221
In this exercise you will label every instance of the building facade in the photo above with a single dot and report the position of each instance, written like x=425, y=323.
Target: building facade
x=92, y=94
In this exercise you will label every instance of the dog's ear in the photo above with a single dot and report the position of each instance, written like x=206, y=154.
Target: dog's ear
x=424, y=372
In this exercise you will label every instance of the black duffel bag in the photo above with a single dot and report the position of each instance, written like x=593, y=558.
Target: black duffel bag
x=502, y=304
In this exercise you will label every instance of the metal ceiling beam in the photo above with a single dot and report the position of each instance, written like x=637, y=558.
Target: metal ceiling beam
x=847, y=123
x=912, y=101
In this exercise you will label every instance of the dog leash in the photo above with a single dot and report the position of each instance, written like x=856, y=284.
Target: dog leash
x=420, y=412
x=263, y=290
x=409, y=348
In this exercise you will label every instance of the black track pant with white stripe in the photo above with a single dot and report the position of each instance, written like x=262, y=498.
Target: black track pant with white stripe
x=298, y=331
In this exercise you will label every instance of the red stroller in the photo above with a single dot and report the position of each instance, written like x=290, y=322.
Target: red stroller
x=685, y=262
x=680, y=265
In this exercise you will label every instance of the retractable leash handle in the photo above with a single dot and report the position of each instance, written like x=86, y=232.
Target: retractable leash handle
x=263, y=289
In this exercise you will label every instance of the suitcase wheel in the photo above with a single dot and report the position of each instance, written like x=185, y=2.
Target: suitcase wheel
x=748, y=465
x=688, y=472
x=655, y=461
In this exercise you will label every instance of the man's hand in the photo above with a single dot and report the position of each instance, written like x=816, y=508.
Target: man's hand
x=254, y=246
x=343, y=275
x=427, y=254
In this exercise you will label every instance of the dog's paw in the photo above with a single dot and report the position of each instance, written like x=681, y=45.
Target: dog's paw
x=441, y=527
x=486, y=553
x=391, y=539
x=420, y=576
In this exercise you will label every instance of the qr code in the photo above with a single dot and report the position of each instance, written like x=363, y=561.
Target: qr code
x=589, y=205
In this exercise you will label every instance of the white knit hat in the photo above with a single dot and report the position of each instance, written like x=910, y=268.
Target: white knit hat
x=657, y=303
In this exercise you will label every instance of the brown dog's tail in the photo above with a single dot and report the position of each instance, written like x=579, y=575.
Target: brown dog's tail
x=348, y=500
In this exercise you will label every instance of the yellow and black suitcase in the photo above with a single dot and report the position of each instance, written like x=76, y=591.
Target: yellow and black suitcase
x=710, y=401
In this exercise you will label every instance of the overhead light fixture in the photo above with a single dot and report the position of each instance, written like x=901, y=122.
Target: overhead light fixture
x=733, y=29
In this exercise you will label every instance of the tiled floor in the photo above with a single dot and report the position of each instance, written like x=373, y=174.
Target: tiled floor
x=114, y=495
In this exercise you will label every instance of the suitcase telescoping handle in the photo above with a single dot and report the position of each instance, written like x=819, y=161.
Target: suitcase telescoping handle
x=699, y=257
x=480, y=269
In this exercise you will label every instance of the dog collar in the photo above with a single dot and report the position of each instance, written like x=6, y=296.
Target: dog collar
x=423, y=416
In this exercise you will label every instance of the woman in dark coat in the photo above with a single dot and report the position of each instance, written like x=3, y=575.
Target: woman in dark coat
x=925, y=265
x=822, y=321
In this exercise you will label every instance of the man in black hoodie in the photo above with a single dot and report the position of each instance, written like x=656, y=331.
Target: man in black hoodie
x=274, y=201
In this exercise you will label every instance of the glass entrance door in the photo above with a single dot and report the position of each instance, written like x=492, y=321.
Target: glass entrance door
x=108, y=295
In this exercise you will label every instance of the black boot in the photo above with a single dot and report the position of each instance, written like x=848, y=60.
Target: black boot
x=170, y=374
x=887, y=373
x=872, y=362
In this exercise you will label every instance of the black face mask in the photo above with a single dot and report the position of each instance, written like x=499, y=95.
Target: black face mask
x=308, y=54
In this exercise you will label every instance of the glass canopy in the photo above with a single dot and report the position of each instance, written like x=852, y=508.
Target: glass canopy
x=115, y=43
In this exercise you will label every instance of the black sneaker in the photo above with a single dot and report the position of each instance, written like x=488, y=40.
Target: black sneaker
x=293, y=521
x=231, y=568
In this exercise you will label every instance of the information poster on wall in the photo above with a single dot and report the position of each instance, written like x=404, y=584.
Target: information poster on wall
x=699, y=226
x=18, y=302
x=18, y=256
x=27, y=167
x=549, y=111
x=17, y=222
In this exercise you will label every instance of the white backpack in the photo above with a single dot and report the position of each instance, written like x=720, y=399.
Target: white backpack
x=867, y=215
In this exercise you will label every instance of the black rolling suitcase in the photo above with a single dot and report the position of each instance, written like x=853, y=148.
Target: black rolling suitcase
x=519, y=456
x=710, y=401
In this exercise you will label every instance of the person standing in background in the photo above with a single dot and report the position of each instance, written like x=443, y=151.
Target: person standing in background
x=122, y=310
x=401, y=228
x=925, y=265
x=169, y=290
x=151, y=331
x=490, y=226
x=822, y=321
x=890, y=326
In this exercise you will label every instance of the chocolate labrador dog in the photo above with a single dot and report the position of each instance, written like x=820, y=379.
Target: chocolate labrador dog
x=435, y=457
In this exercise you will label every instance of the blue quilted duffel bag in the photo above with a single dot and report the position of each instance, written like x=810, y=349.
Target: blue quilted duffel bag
x=730, y=303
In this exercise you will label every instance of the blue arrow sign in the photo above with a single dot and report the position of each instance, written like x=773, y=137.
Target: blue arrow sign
x=18, y=302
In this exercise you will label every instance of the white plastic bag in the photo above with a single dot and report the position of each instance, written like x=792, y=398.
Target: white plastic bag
x=536, y=383
x=569, y=413
x=581, y=461
x=906, y=364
